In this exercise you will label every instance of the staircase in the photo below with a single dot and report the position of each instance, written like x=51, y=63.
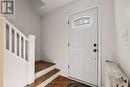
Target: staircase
x=19, y=59
x=45, y=72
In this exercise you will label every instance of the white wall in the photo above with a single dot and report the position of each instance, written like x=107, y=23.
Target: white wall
x=108, y=29
x=15, y=70
x=122, y=9
x=55, y=31
x=28, y=22
x=108, y=33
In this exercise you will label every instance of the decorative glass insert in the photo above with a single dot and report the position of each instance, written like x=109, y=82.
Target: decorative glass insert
x=82, y=21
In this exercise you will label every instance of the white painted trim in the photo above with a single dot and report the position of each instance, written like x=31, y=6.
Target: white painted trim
x=99, y=43
x=49, y=80
x=31, y=59
x=64, y=75
x=45, y=71
x=99, y=7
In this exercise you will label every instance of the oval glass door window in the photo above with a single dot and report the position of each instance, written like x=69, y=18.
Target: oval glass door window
x=83, y=21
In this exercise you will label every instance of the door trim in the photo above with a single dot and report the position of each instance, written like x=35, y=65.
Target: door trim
x=99, y=31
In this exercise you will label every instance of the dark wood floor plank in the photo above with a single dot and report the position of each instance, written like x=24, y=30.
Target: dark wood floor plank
x=43, y=78
x=41, y=65
x=60, y=82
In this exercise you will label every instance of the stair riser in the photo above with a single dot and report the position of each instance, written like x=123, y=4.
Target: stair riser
x=49, y=80
x=43, y=72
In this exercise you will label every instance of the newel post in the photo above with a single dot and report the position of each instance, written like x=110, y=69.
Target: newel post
x=31, y=59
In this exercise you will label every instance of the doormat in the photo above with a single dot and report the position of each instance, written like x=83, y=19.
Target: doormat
x=77, y=85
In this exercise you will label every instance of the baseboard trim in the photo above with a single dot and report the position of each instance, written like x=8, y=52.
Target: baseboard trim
x=44, y=59
x=64, y=75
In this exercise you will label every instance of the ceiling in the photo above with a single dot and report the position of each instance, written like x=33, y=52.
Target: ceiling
x=51, y=5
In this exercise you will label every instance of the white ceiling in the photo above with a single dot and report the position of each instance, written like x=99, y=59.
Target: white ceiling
x=51, y=5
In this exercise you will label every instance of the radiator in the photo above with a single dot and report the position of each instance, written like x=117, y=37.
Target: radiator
x=114, y=76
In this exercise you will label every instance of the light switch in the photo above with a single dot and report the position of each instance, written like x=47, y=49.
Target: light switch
x=125, y=35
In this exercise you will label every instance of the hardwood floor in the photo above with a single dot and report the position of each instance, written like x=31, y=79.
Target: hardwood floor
x=43, y=78
x=41, y=65
x=60, y=82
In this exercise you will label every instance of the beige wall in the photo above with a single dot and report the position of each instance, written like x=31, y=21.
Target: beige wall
x=1, y=52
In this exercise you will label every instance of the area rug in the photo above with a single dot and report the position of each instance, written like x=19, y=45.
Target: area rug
x=77, y=85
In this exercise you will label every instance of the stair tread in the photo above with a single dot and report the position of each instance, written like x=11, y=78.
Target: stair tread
x=41, y=65
x=43, y=78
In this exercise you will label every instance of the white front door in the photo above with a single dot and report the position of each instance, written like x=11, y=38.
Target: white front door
x=83, y=46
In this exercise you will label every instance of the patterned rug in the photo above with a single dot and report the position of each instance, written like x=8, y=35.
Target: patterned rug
x=77, y=85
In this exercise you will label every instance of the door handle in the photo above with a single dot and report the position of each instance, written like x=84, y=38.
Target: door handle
x=94, y=45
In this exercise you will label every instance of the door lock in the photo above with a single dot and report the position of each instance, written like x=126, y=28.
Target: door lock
x=95, y=45
x=95, y=50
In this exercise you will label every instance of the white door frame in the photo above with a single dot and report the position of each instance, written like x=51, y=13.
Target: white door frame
x=99, y=31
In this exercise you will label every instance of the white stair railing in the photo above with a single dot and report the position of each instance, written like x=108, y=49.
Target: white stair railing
x=16, y=43
x=31, y=63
